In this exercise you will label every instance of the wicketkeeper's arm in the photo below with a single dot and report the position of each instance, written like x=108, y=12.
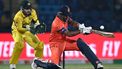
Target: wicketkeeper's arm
x=37, y=28
x=19, y=26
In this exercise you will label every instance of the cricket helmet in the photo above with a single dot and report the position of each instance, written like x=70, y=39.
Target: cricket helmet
x=26, y=5
x=65, y=10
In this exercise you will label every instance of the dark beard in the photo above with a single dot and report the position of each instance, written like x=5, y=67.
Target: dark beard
x=26, y=14
x=64, y=19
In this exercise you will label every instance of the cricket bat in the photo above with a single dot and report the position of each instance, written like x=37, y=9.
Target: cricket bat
x=102, y=33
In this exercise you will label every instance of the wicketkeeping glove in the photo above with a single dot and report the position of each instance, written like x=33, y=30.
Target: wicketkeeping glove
x=40, y=28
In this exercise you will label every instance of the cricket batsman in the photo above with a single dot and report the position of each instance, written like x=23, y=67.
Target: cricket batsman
x=21, y=32
x=59, y=42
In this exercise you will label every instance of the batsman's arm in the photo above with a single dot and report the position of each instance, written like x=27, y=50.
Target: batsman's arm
x=81, y=27
x=76, y=24
x=87, y=30
x=73, y=23
x=67, y=32
x=71, y=33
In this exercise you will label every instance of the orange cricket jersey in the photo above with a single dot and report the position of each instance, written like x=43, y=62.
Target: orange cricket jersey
x=57, y=25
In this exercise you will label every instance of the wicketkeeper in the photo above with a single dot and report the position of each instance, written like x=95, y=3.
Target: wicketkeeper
x=24, y=28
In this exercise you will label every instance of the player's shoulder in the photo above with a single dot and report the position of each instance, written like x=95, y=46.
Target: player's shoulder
x=56, y=22
x=19, y=14
x=33, y=11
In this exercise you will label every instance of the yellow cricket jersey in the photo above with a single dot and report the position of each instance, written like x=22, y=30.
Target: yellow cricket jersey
x=20, y=19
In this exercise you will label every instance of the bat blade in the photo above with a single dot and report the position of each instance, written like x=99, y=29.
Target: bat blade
x=102, y=33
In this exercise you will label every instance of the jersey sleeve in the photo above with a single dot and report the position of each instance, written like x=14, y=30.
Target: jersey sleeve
x=58, y=27
x=34, y=15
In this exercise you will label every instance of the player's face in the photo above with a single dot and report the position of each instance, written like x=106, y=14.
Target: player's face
x=27, y=12
x=65, y=18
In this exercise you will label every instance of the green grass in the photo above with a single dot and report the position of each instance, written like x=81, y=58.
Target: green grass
x=68, y=66
x=89, y=66
x=19, y=66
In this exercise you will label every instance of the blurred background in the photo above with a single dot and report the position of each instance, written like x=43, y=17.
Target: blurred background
x=90, y=12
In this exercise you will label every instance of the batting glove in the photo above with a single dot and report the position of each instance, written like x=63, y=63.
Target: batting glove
x=86, y=30
x=81, y=26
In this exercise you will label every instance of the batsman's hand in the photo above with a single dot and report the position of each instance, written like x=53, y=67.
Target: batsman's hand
x=85, y=30
x=81, y=26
